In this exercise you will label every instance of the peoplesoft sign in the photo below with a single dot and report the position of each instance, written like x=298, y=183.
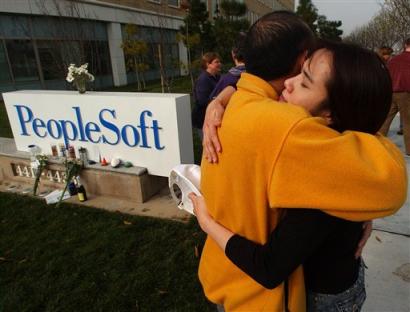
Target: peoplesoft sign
x=150, y=130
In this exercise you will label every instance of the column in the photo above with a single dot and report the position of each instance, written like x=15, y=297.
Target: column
x=117, y=54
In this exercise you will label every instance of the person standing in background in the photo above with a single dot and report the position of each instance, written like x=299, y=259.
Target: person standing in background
x=204, y=85
x=233, y=75
x=399, y=67
x=385, y=53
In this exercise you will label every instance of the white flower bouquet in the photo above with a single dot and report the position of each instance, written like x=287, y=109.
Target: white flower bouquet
x=79, y=76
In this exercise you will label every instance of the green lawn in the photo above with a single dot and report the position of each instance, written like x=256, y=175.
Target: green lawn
x=74, y=258
x=177, y=85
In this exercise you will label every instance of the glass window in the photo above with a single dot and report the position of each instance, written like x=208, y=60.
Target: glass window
x=174, y=3
x=14, y=26
x=98, y=57
x=22, y=59
x=51, y=61
x=68, y=29
x=4, y=66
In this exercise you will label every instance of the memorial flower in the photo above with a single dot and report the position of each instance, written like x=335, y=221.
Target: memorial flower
x=79, y=76
x=72, y=169
x=38, y=168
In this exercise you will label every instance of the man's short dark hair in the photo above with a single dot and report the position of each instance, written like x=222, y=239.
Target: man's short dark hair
x=407, y=42
x=273, y=44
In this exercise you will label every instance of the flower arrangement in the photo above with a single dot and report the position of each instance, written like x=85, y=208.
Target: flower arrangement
x=38, y=167
x=79, y=76
x=72, y=169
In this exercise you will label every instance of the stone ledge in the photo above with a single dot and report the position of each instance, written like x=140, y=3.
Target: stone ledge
x=134, y=183
x=8, y=148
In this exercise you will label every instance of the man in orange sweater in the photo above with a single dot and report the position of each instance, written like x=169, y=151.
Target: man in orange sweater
x=277, y=156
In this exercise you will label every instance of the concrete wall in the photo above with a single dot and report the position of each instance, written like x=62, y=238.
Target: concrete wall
x=104, y=182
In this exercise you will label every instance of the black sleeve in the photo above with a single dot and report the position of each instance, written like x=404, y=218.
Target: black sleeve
x=299, y=233
x=202, y=91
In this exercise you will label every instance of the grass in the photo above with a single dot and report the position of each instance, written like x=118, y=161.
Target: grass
x=177, y=85
x=82, y=259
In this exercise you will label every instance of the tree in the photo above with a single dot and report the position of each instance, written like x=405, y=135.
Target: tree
x=308, y=12
x=232, y=9
x=389, y=27
x=329, y=29
x=228, y=25
x=196, y=33
x=196, y=22
x=135, y=52
x=319, y=24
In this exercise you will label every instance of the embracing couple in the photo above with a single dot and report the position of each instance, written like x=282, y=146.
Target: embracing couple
x=285, y=203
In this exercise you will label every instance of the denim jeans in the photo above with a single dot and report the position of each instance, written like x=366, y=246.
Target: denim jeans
x=351, y=300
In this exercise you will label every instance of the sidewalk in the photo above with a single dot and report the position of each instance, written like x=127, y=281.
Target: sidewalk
x=387, y=255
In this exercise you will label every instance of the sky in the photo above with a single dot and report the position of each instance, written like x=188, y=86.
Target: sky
x=352, y=13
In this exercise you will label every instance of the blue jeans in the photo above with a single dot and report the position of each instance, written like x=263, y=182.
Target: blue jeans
x=351, y=300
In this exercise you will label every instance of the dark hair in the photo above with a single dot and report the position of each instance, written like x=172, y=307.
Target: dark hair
x=407, y=42
x=237, y=49
x=273, y=44
x=385, y=50
x=207, y=58
x=359, y=90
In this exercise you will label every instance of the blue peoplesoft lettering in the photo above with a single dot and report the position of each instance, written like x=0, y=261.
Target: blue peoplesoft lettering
x=66, y=136
x=156, y=135
x=80, y=124
x=92, y=127
x=50, y=129
x=125, y=136
x=143, y=128
x=38, y=123
x=21, y=117
x=78, y=130
x=109, y=126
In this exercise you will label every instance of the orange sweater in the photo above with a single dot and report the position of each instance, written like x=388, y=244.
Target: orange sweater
x=276, y=155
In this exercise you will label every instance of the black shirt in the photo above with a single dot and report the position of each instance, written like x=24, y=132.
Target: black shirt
x=203, y=88
x=325, y=245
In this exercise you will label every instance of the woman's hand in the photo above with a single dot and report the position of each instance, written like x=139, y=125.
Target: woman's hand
x=217, y=232
x=367, y=231
x=213, y=120
x=201, y=211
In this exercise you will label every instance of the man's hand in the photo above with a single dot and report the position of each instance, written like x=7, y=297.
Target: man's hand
x=367, y=231
x=213, y=120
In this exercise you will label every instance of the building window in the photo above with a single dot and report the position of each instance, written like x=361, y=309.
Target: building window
x=51, y=61
x=4, y=66
x=173, y=3
x=22, y=59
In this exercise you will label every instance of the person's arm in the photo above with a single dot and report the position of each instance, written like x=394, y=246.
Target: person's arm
x=219, y=234
x=290, y=244
x=367, y=231
x=213, y=120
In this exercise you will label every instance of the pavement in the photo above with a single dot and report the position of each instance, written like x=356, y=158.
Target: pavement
x=387, y=255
